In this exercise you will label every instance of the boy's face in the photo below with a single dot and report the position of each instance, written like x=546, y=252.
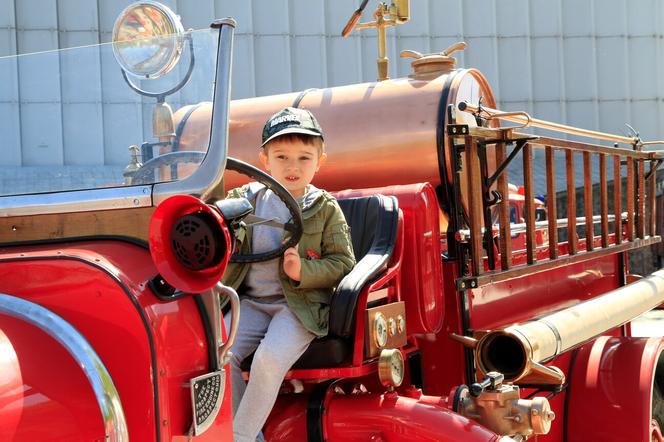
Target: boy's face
x=292, y=163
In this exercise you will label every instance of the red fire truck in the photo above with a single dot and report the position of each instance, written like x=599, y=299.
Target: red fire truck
x=110, y=320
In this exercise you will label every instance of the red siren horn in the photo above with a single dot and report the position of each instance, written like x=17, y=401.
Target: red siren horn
x=189, y=243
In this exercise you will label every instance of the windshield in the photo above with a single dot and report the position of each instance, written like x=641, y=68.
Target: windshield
x=70, y=121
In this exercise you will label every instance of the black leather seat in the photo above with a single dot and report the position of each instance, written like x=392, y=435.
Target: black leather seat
x=373, y=222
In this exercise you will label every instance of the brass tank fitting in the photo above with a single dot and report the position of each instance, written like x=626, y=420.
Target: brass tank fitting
x=433, y=64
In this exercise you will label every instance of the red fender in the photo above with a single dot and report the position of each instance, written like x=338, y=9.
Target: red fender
x=11, y=388
x=56, y=401
x=150, y=348
x=374, y=417
x=610, y=392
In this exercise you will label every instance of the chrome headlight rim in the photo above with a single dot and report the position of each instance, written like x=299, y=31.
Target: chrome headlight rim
x=174, y=32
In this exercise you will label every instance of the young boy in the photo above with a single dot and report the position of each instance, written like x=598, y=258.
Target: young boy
x=284, y=301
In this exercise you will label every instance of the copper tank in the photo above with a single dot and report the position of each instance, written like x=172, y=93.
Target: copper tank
x=376, y=134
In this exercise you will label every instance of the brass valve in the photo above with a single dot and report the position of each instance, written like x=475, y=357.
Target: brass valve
x=500, y=408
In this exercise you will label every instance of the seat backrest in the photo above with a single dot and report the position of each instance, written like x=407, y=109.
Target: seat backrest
x=421, y=269
x=373, y=222
x=364, y=215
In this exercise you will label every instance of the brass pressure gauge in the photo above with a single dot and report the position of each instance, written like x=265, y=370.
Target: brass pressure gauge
x=379, y=330
x=401, y=324
x=391, y=367
x=392, y=327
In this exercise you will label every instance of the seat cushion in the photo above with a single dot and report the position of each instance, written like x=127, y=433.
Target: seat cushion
x=329, y=351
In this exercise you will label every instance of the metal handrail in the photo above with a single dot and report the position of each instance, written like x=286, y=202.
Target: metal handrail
x=561, y=223
x=527, y=120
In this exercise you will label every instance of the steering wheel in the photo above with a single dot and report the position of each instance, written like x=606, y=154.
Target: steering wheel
x=294, y=226
x=145, y=173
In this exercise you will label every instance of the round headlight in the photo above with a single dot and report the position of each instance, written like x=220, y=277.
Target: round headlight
x=147, y=39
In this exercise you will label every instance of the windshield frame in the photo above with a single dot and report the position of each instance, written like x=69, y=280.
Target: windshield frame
x=200, y=184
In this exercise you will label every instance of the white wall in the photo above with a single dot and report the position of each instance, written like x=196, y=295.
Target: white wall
x=593, y=63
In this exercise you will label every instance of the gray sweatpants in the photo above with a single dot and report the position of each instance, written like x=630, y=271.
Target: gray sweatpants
x=279, y=339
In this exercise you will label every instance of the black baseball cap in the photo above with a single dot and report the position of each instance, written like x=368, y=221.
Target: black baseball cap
x=291, y=120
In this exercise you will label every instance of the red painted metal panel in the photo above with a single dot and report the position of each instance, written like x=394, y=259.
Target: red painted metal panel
x=443, y=360
x=375, y=417
x=611, y=390
x=11, y=388
x=521, y=299
x=100, y=288
x=390, y=417
x=56, y=401
x=288, y=420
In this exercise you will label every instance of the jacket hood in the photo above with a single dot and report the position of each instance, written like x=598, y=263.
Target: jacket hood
x=308, y=203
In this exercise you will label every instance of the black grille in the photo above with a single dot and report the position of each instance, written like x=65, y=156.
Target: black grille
x=197, y=241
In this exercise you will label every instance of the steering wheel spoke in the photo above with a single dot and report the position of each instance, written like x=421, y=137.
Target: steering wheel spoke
x=294, y=226
x=253, y=220
x=291, y=227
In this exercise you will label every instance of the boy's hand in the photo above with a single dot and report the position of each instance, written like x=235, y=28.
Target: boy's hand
x=292, y=264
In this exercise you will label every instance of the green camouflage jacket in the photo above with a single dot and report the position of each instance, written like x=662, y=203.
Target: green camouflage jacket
x=326, y=251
